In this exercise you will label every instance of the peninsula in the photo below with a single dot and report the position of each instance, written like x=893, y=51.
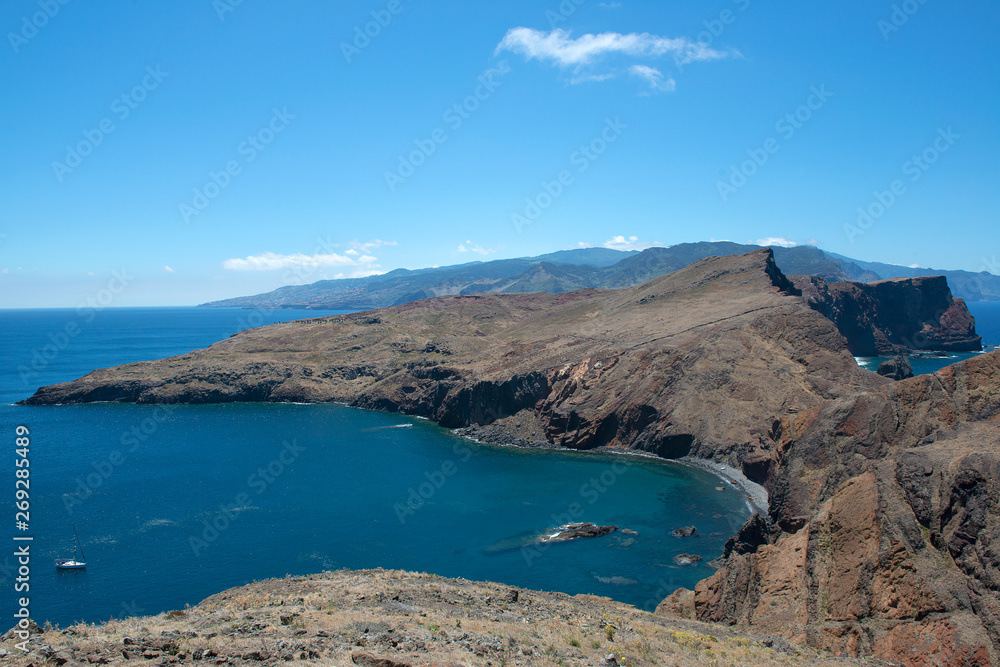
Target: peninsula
x=883, y=525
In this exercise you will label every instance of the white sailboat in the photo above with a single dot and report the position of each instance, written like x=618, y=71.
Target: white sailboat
x=77, y=562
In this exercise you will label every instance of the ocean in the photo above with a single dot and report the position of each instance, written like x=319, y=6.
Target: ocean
x=173, y=504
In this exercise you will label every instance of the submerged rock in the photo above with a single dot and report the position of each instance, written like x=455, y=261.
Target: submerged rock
x=686, y=559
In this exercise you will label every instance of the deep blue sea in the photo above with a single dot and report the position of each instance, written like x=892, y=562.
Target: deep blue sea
x=175, y=504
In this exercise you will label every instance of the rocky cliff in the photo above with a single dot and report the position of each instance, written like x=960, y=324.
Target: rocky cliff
x=888, y=317
x=883, y=527
x=887, y=526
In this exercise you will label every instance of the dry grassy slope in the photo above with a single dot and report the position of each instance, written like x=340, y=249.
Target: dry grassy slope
x=396, y=619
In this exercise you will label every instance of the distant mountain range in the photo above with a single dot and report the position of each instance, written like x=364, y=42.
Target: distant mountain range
x=569, y=270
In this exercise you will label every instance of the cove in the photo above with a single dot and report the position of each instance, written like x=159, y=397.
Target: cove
x=213, y=496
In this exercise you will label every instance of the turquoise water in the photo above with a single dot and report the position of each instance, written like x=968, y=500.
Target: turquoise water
x=175, y=504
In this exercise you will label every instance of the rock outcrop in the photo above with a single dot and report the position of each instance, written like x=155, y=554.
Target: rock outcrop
x=883, y=528
x=897, y=368
x=888, y=524
x=893, y=316
x=577, y=531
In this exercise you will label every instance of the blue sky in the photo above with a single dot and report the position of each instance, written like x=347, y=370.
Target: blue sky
x=173, y=153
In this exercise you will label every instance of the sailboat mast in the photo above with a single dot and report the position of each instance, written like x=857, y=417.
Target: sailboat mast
x=78, y=546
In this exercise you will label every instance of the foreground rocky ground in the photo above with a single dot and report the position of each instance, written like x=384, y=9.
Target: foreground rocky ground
x=884, y=526
x=397, y=619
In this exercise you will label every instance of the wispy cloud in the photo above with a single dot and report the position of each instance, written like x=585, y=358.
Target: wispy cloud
x=622, y=242
x=168, y=269
x=779, y=241
x=562, y=49
x=368, y=246
x=469, y=246
x=357, y=260
x=270, y=261
x=654, y=78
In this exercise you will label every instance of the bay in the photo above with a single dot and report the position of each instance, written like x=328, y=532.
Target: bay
x=175, y=504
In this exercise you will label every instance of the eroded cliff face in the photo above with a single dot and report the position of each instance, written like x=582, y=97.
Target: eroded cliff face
x=887, y=527
x=892, y=316
x=883, y=534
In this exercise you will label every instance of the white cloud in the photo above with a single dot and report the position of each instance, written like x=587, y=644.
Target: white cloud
x=5, y=270
x=916, y=266
x=270, y=261
x=621, y=242
x=590, y=78
x=357, y=259
x=368, y=246
x=168, y=269
x=654, y=78
x=780, y=241
x=469, y=246
x=560, y=47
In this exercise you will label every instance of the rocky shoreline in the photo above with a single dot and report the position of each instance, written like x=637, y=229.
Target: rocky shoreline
x=755, y=494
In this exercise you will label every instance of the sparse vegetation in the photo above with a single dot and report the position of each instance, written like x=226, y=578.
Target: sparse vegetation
x=329, y=618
